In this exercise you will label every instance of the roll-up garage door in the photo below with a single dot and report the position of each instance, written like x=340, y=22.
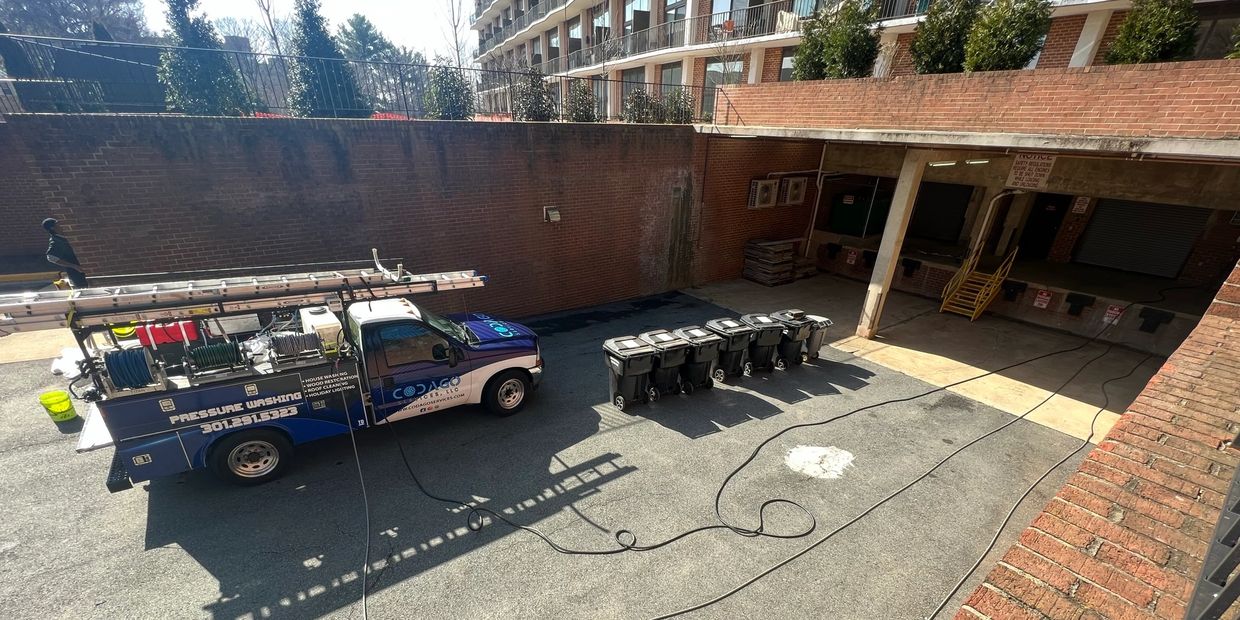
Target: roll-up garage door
x=1141, y=236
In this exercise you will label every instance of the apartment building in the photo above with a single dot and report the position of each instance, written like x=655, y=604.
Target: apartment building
x=706, y=43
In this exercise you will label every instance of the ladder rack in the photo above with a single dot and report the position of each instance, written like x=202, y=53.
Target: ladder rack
x=33, y=311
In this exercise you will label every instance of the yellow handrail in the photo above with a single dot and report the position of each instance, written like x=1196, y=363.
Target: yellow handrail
x=993, y=282
x=962, y=274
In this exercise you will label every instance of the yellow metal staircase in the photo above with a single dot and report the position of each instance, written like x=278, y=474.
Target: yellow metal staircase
x=971, y=291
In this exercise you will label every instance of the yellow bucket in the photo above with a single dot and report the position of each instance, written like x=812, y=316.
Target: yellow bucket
x=58, y=405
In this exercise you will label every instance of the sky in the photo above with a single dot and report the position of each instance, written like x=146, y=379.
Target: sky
x=416, y=24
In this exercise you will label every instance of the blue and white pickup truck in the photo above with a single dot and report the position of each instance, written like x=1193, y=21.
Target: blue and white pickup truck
x=230, y=375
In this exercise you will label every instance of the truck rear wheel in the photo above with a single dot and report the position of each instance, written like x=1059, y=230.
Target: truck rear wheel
x=505, y=394
x=251, y=457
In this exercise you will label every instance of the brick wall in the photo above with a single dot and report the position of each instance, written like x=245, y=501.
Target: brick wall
x=726, y=222
x=1061, y=41
x=1125, y=537
x=1218, y=247
x=140, y=194
x=772, y=61
x=1108, y=36
x=22, y=208
x=1183, y=99
x=902, y=57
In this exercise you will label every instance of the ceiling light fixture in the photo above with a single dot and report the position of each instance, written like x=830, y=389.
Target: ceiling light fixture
x=940, y=164
x=974, y=162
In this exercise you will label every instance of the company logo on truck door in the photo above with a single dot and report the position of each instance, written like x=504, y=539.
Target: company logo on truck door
x=431, y=386
x=497, y=326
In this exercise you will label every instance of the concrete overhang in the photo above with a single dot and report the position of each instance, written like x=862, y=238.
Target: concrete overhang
x=1165, y=148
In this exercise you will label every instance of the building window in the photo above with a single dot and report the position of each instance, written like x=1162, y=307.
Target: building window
x=601, y=23
x=1214, y=37
x=536, y=47
x=719, y=72
x=671, y=77
x=601, y=85
x=553, y=43
x=675, y=11
x=636, y=15
x=574, y=34
x=632, y=79
x=785, y=64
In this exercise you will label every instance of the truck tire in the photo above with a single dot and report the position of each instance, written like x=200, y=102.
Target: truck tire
x=253, y=457
x=506, y=393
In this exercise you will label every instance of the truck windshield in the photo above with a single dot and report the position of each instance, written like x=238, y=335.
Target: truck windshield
x=446, y=325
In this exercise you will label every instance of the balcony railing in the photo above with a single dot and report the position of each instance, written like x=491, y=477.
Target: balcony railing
x=514, y=26
x=779, y=17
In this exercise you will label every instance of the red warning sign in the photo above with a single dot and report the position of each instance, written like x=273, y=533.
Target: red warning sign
x=852, y=257
x=1114, y=314
x=1043, y=300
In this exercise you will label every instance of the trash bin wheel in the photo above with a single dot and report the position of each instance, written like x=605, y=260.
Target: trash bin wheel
x=804, y=357
x=719, y=375
x=710, y=383
x=687, y=388
x=618, y=401
x=652, y=394
x=747, y=369
x=813, y=355
x=781, y=364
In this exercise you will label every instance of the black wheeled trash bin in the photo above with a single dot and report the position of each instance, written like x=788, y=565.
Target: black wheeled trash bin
x=734, y=350
x=670, y=352
x=699, y=369
x=629, y=362
x=817, y=335
x=797, y=329
x=766, y=335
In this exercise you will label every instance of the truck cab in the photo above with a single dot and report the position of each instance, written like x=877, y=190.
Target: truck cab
x=415, y=361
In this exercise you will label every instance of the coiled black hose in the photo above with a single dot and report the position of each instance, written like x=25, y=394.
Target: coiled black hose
x=293, y=345
x=128, y=368
x=216, y=355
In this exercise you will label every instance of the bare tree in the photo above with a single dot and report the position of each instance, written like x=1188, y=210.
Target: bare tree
x=454, y=29
x=267, y=8
x=249, y=29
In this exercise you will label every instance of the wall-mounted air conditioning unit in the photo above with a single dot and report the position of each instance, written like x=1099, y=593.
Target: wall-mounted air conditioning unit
x=792, y=190
x=763, y=193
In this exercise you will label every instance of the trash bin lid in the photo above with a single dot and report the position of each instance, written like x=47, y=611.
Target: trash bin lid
x=696, y=335
x=729, y=326
x=791, y=315
x=663, y=339
x=761, y=321
x=822, y=321
x=627, y=346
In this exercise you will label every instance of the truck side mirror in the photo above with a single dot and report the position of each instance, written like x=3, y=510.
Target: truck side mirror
x=439, y=353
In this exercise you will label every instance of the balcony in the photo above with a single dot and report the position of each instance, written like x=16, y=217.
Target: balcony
x=521, y=22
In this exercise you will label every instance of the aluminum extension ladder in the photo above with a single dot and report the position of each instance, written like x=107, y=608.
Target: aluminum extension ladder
x=33, y=311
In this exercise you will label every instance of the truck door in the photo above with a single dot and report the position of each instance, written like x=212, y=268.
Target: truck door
x=414, y=370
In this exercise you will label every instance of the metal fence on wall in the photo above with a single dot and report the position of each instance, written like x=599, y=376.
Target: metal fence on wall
x=45, y=74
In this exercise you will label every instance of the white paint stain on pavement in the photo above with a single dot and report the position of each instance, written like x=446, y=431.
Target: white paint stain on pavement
x=827, y=463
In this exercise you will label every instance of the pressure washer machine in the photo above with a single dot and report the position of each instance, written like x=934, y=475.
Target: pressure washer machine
x=629, y=362
x=670, y=353
x=797, y=328
x=767, y=333
x=699, y=369
x=734, y=348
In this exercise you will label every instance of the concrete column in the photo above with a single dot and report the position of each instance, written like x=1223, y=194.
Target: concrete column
x=757, y=57
x=687, y=65
x=893, y=238
x=652, y=73
x=690, y=24
x=1091, y=36
x=1014, y=223
x=613, y=98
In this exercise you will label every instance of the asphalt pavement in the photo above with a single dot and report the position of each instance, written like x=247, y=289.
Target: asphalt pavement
x=571, y=466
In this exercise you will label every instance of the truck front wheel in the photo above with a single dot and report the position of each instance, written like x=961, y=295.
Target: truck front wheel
x=505, y=393
x=251, y=457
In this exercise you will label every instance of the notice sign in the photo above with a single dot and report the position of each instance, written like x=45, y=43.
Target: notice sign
x=852, y=257
x=1113, y=315
x=1043, y=300
x=1080, y=205
x=849, y=199
x=1030, y=171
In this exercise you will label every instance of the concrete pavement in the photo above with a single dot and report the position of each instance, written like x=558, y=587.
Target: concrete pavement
x=570, y=465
